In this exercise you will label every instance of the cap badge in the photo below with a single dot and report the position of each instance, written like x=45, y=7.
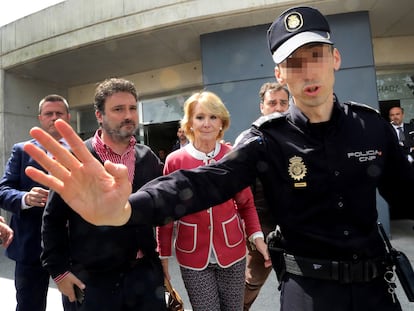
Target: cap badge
x=293, y=21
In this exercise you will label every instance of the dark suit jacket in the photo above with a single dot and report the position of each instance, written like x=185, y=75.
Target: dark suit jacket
x=176, y=146
x=72, y=244
x=409, y=139
x=26, y=224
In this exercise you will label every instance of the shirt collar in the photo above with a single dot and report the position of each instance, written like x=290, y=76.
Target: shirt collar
x=201, y=155
x=98, y=143
x=397, y=126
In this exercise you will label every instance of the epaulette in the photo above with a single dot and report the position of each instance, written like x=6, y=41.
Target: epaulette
x=363, y=106
x=268, y=119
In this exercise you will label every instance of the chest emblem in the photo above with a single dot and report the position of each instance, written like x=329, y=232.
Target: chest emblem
x=297, y=169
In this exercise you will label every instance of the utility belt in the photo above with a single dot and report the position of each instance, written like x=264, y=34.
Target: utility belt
x=342, y=271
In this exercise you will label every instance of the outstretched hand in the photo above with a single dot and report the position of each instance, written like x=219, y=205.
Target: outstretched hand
x=99, y=194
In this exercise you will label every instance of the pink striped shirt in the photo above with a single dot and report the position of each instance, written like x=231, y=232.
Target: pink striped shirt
x=106, y=153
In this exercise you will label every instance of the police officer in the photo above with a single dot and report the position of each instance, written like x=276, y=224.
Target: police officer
x=320, y=164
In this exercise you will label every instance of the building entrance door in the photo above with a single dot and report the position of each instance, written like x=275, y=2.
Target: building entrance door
x=161, y=135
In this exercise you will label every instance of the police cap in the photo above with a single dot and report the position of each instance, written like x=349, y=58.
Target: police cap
x=294, y=28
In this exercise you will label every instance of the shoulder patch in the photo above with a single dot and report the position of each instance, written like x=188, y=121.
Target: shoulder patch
x=268, y=119
x=248, y=136
x=362, y=106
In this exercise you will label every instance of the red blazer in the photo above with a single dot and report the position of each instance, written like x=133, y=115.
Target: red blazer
x=220, y=228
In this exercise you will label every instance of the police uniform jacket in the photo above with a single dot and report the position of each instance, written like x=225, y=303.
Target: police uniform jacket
x=320, y=180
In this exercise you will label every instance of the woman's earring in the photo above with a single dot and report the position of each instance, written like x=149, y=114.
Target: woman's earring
x=191, y=128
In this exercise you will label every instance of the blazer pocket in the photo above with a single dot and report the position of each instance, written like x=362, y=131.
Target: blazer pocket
x=186, y=237
x=233, y=232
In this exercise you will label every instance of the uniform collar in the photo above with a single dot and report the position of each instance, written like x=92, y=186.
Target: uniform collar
x=301, y=120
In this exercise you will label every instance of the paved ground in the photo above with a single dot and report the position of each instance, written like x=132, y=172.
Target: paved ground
x=268, y=300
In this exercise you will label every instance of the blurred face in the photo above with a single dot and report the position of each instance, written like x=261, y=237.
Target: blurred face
x=396, y=115
x=50, y=112
x=120, y=120
x=206, y=126
x=274, y=101
x=309, y=74
x=181, y=135
x=161, y=154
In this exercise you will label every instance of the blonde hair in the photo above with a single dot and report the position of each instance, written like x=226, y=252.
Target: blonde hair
x=213, y=104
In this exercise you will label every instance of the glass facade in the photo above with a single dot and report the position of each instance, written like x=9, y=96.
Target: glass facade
x=397, y=87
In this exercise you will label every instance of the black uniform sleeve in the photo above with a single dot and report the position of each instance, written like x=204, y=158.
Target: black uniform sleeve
x=187, y=191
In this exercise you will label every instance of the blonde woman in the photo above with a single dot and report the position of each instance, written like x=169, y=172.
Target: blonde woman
x=209, y=244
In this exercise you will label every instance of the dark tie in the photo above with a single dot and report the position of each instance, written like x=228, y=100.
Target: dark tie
x=401, y=136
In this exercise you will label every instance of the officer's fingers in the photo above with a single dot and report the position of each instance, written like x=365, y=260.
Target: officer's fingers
x=59, y=152
x=76, y=144
x=46, y=162
x=44, y=179
x=118, y=171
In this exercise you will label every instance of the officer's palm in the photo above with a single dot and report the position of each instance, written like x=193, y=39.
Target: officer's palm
x=99, y=194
